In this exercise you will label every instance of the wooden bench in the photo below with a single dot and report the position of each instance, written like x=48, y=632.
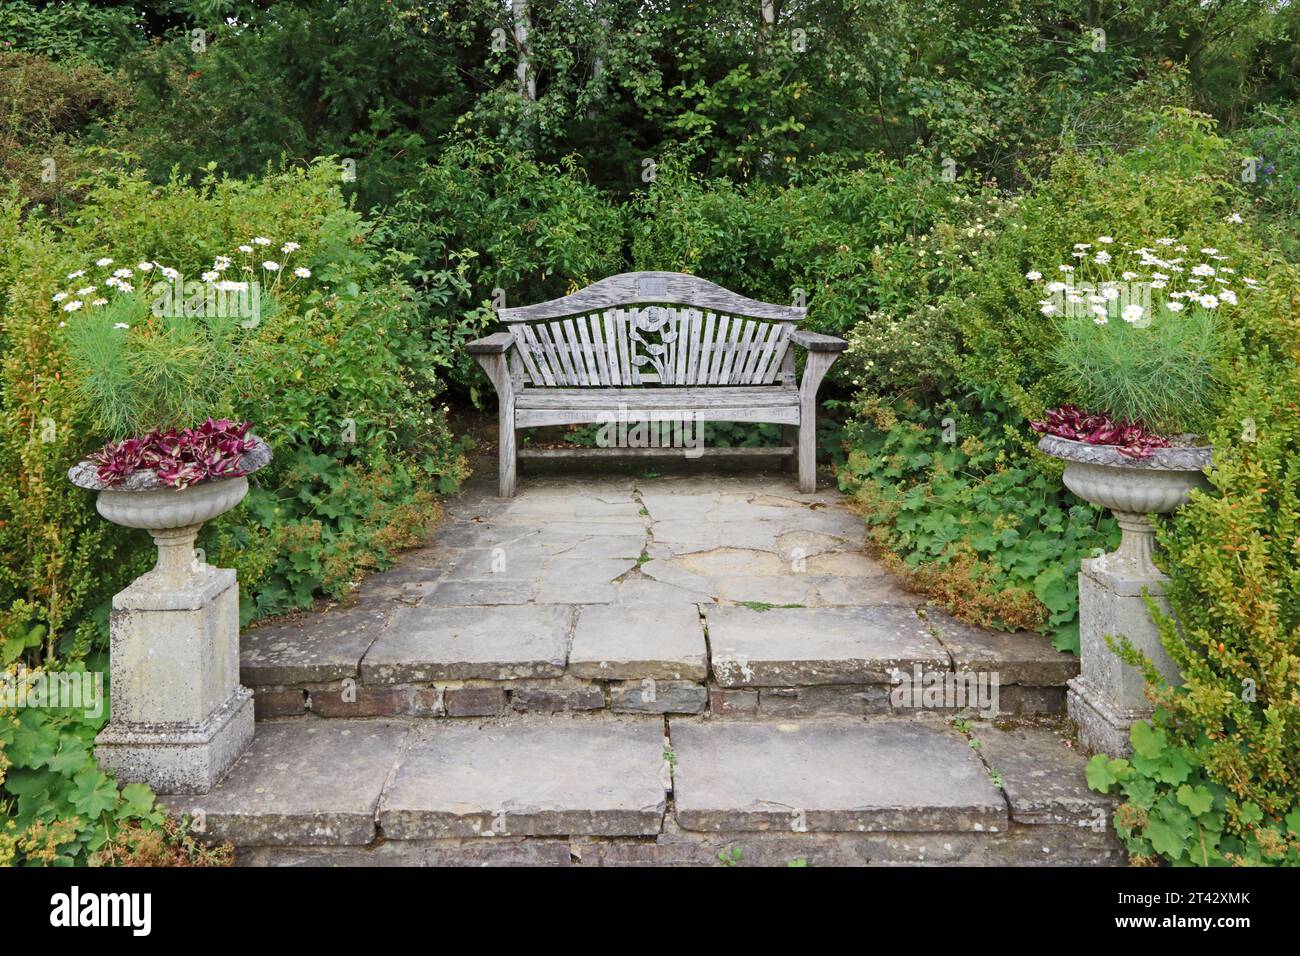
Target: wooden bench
x=655, y=343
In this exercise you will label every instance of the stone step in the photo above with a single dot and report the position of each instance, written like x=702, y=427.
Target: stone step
x=433, y=660
x=604, y=789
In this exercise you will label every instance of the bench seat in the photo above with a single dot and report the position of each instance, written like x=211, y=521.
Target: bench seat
x=774, y=404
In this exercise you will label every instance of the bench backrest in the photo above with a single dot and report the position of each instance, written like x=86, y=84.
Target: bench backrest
x=664, y=328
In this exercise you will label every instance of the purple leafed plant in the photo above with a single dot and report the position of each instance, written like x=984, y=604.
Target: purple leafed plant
x=179, y=458
x=1130, y=439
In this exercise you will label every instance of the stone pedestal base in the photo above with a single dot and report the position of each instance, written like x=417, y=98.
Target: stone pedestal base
x=1108, y=696
x=1101, y=729
x=179, y=759
x=178, y=717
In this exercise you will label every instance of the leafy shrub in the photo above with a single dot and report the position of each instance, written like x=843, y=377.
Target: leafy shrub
x=75, y=30
x=1228, y=738
x=484, y=218
x=967, y=519
x=336, y=370
x=51, y=114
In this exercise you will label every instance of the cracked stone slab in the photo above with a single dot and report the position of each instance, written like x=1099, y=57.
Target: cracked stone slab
x=831, y=775
x=637, y=641
x=1019, y=657
x=831, y=590
x=323, y=646
x=640, y=589
x=503, y=642
x=777, y=590
x=1043, y=777
x=786, y=647
x=685, y=537
x=724, y=562
x=684, y=507
x=582, y=581
x=529, y=777
x=302, y=782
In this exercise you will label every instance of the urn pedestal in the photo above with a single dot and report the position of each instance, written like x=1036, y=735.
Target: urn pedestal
x=178, y=715
x=1108, y=696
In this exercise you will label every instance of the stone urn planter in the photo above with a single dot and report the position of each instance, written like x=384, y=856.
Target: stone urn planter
x=1107, y=697
x=179, y=717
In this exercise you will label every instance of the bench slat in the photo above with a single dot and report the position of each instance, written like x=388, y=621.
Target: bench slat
x=611, y=344
x=598, y=349
x=552, y=359
x=525, y=348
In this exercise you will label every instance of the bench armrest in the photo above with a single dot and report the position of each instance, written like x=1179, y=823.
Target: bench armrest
x=817, y=342
x=497, y=343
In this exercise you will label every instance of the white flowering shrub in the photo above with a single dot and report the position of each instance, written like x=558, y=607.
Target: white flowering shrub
x=1142, y=330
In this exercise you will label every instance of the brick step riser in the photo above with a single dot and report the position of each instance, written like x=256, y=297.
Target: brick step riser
x=1018, y=845
x=495, y=698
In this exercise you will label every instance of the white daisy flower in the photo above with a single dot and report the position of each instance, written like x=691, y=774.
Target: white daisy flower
x=1209, y=301
x=72, y=306
x=1228, y=296
x=302, y=272
x=1056, y=287
x=1132, y=313
x=1047, y=309
x=123, y=273
x=86, y=290
x=104, y=262
x=1105, y=240
x=211, y=276
x=245, y=248
x=144, y=266
x=1033, y=276
x=1204, y=269
x=60, y=296
x=261, y=241
x=290, y=247
x=1101, y=258
x=77, y=275
x=1165, y=242
x=100, y=302
x=270, y=266
x=120, y=325
x=1174, y=306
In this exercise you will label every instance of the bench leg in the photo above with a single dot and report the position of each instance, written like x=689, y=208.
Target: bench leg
x=507, y=455
x=808, y=455
x=813, y=372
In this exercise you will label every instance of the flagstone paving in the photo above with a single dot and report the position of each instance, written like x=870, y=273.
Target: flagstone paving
x=574, y=593
x=636, y=670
